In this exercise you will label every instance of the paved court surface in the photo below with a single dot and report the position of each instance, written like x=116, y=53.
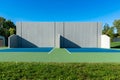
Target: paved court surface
x=26, y=50
x=71, y=50
x=75, y=50
x=56, y=55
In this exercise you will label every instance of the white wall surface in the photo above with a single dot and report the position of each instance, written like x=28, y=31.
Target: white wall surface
x=45, y=34
x=105, y=41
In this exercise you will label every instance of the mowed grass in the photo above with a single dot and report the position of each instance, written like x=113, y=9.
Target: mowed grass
x=59, y=71
x=115, y=44
x=59, y=55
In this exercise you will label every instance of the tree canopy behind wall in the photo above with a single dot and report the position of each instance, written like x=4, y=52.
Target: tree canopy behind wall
x=116, y=24
x=107, y=30
x=7, y=28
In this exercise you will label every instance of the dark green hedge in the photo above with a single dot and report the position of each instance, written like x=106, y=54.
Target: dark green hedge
x=59, y=71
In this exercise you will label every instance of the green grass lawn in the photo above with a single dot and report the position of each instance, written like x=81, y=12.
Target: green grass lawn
x=59, y=55
x=59, y=71
x=115, y=44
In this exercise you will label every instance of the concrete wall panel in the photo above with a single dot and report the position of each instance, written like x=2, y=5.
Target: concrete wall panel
x=99, y=26
x=46, y=34
x=105, y=41
x=2, y=41
x=19, y=33
x=81, y=34
x=18, y=28
x=13, y=41
x=58, y=32
x=37, y=34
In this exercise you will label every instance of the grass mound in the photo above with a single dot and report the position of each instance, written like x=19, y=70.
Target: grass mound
x=115, y=44
x=59, y=71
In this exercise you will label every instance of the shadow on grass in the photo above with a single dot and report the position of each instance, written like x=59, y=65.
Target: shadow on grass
x=118, y=47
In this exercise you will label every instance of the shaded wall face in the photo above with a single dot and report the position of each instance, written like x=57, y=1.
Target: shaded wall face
x=45, y=34
x=39, y=34
x=83, y=34
x=13, y=41
x=2, y=41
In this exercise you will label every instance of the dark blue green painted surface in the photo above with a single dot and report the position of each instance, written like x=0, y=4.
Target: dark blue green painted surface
x=91, y=50
x=26, y=50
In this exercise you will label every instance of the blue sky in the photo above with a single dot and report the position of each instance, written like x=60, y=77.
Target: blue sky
x=105, y=11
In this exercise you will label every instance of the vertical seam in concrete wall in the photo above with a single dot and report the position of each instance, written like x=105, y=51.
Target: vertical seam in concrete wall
x=54, y=34
x=97, y=34
x=21, y=36
x=63, y=33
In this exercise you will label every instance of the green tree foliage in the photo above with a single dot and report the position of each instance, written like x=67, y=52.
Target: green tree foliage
x=7, y=27
x=12, y=31
x=9, y=24
x=116, y=24
x=2, y=21
x=107, y=30
x=110, y=33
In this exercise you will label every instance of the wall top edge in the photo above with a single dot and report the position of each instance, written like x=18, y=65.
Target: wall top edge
x=59, y=22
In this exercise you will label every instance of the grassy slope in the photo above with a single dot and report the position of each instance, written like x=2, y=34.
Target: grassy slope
x=115, y=44
x=59, y=55
x=59, y=71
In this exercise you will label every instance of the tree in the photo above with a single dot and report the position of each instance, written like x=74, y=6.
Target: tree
x=7, y=27
x=12, y=31
x=116, y=24
x=9, y=24
x=110, y=33
x=2, y=21
x=105, y=28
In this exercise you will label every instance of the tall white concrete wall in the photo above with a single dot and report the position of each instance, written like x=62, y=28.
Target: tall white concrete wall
x=82, y=34
x=72, y=34
x=13, y=41
x=105, y=41
x=2, y=38
x=37, y=34
x=58, y=33
x=99, y=33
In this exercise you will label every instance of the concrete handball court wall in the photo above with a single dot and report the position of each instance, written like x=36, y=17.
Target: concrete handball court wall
x=105, y=41
x=2, y=41
x=13, y=41
x=72, y=34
